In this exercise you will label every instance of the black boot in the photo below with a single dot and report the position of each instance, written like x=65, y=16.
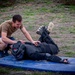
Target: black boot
x=41, y=30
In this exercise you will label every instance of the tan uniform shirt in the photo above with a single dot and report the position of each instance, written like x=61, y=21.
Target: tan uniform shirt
x=7, y=27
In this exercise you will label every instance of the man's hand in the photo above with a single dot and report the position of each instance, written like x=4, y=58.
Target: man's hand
x=22, y=41
x=36, y=43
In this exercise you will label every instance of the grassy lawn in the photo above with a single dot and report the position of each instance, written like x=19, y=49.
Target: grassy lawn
x=40, y=13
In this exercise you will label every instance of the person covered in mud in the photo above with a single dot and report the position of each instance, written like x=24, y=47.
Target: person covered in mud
x=46, y=50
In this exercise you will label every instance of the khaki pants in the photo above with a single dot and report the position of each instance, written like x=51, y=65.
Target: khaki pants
x=2, y=45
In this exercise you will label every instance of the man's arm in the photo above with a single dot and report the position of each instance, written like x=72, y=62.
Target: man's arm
x=6, y=39
x=27, y=35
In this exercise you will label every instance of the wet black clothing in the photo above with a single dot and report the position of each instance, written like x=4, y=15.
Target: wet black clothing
x=45, y=50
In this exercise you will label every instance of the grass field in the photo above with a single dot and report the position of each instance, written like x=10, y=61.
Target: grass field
x=40, y=13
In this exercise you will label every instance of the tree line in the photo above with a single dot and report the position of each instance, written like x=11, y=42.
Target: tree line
x=66, y=2
x=11, y=2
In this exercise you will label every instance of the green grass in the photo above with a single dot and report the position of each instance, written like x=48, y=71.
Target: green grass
x=56, y=36
x=68, y=50
x=43, y=10
x=67, y=29
x=63, y=30
x=30, y=27
x=65, y=47
x=73, y=41
x=70, y=54
x=71, y=30
x=72, y=8
x=42, y=73
x=59, y=10
x=4, y=71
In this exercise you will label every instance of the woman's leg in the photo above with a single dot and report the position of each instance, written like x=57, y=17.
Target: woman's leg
x=51, y=47
x=57, y=59
x=45, y=37
x=53, y=58
x=48, y=57
x=37, y=56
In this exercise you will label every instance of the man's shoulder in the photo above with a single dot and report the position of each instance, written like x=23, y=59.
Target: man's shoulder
x=7, y=22
x=10, y=20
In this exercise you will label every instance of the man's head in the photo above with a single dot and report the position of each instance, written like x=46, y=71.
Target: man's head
x=18, y=50
x=17, y=21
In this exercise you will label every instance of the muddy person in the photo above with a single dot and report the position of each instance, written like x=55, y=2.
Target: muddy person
x=46, y=50
x=7, y=28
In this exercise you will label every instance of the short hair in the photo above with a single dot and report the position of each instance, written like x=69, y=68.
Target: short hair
x=17, y=18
